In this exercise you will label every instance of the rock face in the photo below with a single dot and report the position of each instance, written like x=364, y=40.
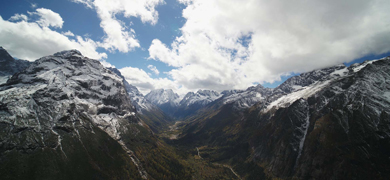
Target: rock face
x=201, y=97
x=68, y=117
x=152, y=115
x=137, y=98
x=341, y=120
x=9, y=65
x=192, y=102
x=195, y=103
x=331, y=123
x=165, y=99
x=244, y=99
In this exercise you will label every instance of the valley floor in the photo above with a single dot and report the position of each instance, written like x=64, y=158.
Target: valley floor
x=202, y=168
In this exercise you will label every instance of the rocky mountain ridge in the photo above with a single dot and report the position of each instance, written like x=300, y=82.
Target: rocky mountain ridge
x=163, y=96
x=201, y=97
x=137, y=98
x=150, y=113
x=312, y=123
x=9, y=65
x=343, y=117
x=244, y=99
x=68, y=117
x=165, y=99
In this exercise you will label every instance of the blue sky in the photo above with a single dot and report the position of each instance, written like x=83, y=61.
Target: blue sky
x=359, y=60
x=83, y=21
x=186, y=45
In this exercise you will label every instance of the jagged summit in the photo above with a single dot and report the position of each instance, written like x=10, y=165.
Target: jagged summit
x=152, y=115
x=66, y=100
x=72, y=117
x=67, y=115
x=308, y=78
x=5, y=56
x=70, y=79
x=308, y=84
x=137, y=98
x=207, y=92
x=162, y=96
x=165, y=99
x=68, y=53
x=242, y=99
x=10, y=66
x=347, y=107
x=332, y=117
x=201, y=97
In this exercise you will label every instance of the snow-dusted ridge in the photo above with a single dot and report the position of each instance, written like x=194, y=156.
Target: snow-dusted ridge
x=328, y=76
x=302, y=86
x=163, y=96
x=137, y=98
x=326, y=114
x=9, y=65
x=245, y=98
x=201, y=97
x=297, y=87
x=57, y=90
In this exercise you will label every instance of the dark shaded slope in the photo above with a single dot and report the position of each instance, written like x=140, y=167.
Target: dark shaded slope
x=336, y=127
x=68, y=117
x=152, y=115
x=9, y=65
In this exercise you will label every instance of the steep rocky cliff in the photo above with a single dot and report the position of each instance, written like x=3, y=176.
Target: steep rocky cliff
x=151, y=114
x=331, y=123
x=9, y=65
x=68, y=117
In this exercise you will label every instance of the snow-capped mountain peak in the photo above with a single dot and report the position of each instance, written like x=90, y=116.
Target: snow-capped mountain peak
x=242, y=99
x=308, y=78
x=201, y=97
x=162, y=96
x=4, y=56
x=313, y=82
x=359, y=66
x=68, y=78
x=69, y=53
x=137, y=98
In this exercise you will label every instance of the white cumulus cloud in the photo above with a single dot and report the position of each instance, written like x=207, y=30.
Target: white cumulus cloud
x=87, y=3
x=120, y=36
x=68, y=33
x=18, y=17
x=229, y=44
x=32, y=40
x=33, y=5
x=145, y=83
x=153, y=69
x=48, y=18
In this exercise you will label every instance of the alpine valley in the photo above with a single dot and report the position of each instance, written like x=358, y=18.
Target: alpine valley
x=66, y=116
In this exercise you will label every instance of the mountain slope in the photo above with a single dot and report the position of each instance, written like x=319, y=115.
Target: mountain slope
x=9, y=65
x=152, y=115
x=201, y=97
x=165, y=99
x=192, y=102
x=340, y=122
x=312, y=123
x=68, y=117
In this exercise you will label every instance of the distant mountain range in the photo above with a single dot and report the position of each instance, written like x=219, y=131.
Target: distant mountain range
x=150, y=113
x=65, y=116
x=331, y=123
